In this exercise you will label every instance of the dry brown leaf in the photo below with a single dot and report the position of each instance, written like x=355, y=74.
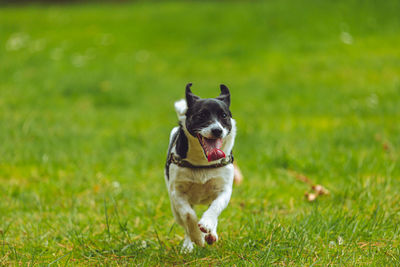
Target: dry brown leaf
x=317, y=188
x=320, y=190
x=310, y=196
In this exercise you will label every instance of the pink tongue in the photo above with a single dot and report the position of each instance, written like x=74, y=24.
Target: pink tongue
x=215, y=154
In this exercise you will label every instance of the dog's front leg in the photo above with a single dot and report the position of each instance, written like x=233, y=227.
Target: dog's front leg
x=209, y=220
x=188, y=219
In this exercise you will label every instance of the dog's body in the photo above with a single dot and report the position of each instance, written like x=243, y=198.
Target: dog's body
x=198, y=170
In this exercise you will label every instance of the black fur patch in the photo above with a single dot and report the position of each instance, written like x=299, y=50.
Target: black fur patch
x=180, y=141
x=182, y=144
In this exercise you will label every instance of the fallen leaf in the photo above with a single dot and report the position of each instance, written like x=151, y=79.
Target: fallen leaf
x=310, y=196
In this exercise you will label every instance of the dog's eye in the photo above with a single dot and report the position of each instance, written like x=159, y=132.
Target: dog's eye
x=223, y=115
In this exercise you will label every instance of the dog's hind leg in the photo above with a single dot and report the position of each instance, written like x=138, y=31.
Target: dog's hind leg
x=237, y=174
x=187, y=244
x=187, y=217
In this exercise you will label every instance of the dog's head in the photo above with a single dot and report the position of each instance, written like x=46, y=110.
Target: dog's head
x=209, y=120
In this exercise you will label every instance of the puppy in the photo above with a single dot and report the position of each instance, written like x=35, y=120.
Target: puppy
x=199, y=167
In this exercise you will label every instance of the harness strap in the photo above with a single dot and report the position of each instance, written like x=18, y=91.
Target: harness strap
x=175, y=159
x=173, y=143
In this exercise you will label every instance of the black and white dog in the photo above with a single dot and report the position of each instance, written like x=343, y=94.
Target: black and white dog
x=199, y=167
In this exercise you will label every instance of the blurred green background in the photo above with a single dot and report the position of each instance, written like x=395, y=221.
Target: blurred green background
x=86, y=107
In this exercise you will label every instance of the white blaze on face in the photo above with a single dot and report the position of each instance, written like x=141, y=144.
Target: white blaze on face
x=207, y=131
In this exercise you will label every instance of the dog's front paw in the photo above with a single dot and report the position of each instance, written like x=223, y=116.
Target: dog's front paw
x=211, y=238
x=209, y=227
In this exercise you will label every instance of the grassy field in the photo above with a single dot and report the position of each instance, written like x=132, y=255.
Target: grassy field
x=86, y=107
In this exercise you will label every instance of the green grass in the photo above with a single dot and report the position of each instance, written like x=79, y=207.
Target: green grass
x=86, y=107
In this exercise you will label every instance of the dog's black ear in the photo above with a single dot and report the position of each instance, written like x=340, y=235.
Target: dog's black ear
x=225, y=95
x=190, y=97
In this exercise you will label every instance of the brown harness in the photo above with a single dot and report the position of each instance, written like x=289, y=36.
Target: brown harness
x=175, y=159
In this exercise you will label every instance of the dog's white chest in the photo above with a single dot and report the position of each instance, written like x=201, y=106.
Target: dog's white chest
x=198, y=193
x=200, y=186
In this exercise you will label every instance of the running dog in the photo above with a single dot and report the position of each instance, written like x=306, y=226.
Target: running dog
x=199, y=168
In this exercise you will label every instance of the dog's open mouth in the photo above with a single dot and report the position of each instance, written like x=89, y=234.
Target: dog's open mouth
x=211, y=147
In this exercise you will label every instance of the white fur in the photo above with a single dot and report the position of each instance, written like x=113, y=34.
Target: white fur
x=207, y=131
x=188, y=187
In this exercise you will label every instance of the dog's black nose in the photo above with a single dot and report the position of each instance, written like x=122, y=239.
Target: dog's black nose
x=216, y=132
